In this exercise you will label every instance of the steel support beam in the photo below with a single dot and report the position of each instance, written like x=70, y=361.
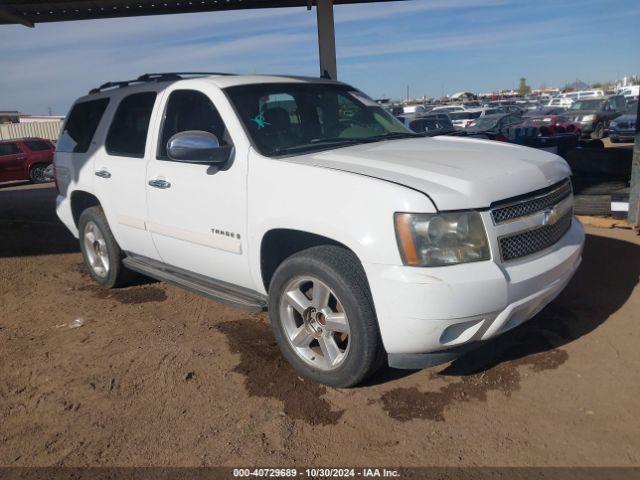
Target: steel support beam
x=634, y=196
x=326, y=39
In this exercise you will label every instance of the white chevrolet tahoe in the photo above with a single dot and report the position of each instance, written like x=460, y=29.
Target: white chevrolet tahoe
x=365, y=241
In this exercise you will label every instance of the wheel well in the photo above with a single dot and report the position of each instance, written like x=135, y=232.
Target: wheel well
x=80, y=201
x=281, y=243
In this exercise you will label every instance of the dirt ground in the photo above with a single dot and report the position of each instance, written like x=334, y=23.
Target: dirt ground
x=158, y=376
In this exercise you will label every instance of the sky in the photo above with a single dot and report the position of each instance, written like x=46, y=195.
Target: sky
x=435, y=47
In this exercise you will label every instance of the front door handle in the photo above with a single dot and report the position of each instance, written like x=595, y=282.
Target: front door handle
x=159, y=183
x=103, y=173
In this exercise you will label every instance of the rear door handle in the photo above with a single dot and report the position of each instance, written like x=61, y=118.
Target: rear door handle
x=103, y=173
x=159, y=183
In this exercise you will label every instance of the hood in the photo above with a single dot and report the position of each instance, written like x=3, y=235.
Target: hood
x=456, y=173
x=580, y=113
x=627, y=117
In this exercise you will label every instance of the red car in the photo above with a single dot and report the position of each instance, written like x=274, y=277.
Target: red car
x=554, y=124
x=25, y=159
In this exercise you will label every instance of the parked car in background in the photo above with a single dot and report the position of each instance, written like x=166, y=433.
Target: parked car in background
x=630, y=93
x=623, y=128
x=26, y=159
x=595, y=114
x=431, y=123
x=545, y=110
x=463, y=119
x=563, y=102
x=553, y=124
x=493, y=125
x=414, y=109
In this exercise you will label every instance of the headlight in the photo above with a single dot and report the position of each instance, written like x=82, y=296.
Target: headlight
x=435, y=240
x=588, y=118
x=613, y=124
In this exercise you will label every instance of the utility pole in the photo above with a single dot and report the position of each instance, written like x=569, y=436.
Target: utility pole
x=634, y=197
x=407, y=93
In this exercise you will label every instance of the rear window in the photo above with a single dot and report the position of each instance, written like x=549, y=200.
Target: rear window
x=128, y=132
x=37, y=145
x=81, y=126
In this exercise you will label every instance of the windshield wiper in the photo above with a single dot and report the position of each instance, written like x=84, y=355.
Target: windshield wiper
x=337, y=142
x=393, y=136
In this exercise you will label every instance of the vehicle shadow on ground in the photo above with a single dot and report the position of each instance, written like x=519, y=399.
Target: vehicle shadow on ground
x=29, y=224
x=603, y=283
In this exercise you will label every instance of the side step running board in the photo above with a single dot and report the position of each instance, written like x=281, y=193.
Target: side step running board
x=217, y=290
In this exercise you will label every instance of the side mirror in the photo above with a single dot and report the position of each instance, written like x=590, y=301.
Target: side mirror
x=196, y=146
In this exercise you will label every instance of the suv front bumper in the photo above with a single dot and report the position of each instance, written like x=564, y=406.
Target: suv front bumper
x=429, y=316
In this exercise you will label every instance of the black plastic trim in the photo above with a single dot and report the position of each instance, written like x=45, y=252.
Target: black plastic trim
x=217, y=290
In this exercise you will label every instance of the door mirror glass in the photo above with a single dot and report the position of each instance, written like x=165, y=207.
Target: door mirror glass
x=196, y=146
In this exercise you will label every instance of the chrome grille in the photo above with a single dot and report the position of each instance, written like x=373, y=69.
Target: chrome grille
x=532, y=203
x=521, y=244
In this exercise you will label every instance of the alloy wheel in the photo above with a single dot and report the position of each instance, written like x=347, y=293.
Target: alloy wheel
x=96, y=250
x=315, y=323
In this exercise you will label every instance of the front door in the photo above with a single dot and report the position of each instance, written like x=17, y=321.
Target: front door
x=197, y=212
x=120, y=172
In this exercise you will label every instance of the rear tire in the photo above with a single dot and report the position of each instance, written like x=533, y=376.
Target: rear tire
x=598, y=205
x=37, y=173
x=586, y=185
x=598, y=131
x=102, y=254
x=329, y=331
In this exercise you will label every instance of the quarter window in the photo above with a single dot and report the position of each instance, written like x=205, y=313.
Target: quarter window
x=37, y=145
x=81, y=125
x=190, y=110
x=128, y=132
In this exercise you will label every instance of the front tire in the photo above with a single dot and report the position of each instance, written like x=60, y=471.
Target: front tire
x=323, y=317
x=101, y=253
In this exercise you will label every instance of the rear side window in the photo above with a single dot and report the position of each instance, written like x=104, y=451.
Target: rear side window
x=81, y=126
x=9, y=149
x=128, y=132
x=37, y=145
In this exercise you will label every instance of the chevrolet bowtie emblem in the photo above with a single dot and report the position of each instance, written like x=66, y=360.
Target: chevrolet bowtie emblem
x=549, y=216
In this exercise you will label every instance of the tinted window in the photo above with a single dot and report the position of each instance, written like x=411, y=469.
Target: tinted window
x=190, y=110
x=128, y=132
x=9, y=149
x=81, y=125
x=37, y=145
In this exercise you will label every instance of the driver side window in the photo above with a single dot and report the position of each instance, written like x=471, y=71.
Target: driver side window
x=190, y=110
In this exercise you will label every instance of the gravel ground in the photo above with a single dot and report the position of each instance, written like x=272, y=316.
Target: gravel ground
x=158, y=376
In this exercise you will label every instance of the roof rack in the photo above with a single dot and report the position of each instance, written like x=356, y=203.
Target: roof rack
x=153, y=77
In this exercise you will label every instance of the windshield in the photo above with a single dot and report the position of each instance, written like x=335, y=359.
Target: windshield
x=586, y=105
x=484, y=123
x=287, y=118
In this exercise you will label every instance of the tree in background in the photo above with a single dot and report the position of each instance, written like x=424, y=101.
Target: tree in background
x=523, y=88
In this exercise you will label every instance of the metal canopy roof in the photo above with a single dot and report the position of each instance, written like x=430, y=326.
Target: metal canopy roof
x=30, y=12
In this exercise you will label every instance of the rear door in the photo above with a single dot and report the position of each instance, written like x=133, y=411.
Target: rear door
x=12, y=160
x=120, y=170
